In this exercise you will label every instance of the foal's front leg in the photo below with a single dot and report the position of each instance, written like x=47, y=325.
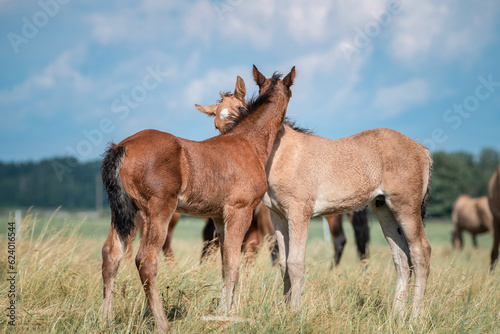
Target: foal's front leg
x=298, y=224
x=236, y=224
x=281, y=231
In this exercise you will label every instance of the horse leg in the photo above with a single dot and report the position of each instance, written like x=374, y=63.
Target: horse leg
x=155, y=232
x=112, y=253
x=282, y=239
x=297, y=229
x=251, y=242
x=359, y=222
x=128, y=246
x=496, y=243
x=474, y=240
x=420, y=254
x=457, y=238
x=209, y=237
x=400, y=255
x=236, y=224
x=339, y=240
x=167, y=249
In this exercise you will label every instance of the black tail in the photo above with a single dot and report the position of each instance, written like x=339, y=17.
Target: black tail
x=361, y=230
x=425, y=203
x=425, y=200
x=123, y=209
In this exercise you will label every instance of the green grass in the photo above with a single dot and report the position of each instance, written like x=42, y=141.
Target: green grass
x=59, y=285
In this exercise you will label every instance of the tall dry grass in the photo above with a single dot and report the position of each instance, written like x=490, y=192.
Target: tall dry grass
x=59, y=290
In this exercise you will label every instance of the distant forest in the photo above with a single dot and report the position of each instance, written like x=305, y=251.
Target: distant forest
x=76, y=185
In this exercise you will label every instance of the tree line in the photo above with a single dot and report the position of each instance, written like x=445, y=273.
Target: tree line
x=43, y=185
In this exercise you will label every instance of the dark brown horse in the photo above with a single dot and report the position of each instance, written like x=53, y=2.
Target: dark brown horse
x=494, y=201
x=359, y=221
x=153, y=174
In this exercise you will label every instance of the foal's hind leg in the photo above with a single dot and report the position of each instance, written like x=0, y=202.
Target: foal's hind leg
x=400, y=255
x=155, y=232
x=420, y=253
x=112, y=253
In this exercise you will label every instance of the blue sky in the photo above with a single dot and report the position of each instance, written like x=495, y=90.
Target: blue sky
x=76, y=75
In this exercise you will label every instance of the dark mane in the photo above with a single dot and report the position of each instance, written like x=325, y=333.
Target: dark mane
x=252, y=105
x=288, y=122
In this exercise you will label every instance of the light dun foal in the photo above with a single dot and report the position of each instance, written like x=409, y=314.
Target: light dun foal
x=381, y=168
x=154, y=173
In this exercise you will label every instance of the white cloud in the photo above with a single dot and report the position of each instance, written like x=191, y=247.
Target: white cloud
x=430, y=31
x=61, y=74
x=392, y=101
x=205, y=90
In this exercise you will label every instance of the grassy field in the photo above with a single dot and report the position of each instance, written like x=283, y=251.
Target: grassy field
x=59, y=285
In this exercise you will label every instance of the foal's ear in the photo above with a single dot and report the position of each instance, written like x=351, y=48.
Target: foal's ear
x=210, y=110
x=288, y=80
x=258, y=77
x=240, y=90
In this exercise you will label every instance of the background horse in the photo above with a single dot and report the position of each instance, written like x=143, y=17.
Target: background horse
x=153, y=174
x=380, y=167
x=359, y=221
x=167, y=246
x=472, y=215
x=494, y=201
x=261, y=228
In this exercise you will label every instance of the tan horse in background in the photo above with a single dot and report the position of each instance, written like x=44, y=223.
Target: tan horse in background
x=153, y=174
x=380, y=167
x=494, y=201
x=472, y=215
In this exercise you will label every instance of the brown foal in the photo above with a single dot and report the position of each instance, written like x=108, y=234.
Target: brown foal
x=153, y=174
x=380, y=167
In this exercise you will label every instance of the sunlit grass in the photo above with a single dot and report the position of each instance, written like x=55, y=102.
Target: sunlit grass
x=59, y=286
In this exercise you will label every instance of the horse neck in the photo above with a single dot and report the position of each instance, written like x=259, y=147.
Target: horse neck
x=260, y=128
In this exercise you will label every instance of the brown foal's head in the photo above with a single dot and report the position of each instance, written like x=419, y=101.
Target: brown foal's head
x=264, y=82
x=228, y=105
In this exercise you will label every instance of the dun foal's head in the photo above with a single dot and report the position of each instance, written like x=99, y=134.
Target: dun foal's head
x=230, y=106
